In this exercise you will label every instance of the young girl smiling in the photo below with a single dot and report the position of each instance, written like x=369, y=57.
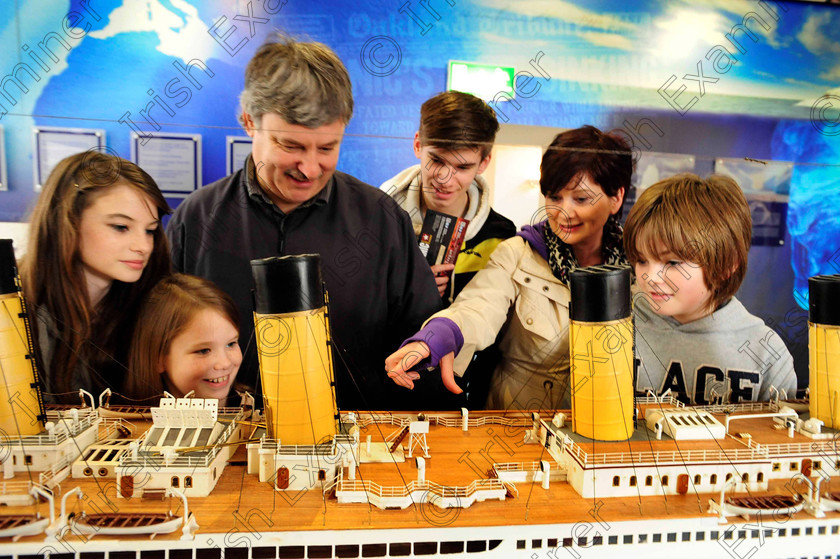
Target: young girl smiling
x=186, y=341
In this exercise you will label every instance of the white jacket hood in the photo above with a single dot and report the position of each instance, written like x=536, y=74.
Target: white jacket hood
x=405, y=189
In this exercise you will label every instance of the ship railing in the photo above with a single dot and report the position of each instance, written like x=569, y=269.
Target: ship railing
x=653, y=400
x=674, y=456
x=462, y=492
x=371, y=487
x=57, y=473
x=112, y=425
x=449, y=421
x=142, y=440
x=366, y=419
x=227, y=432
x=575, y=450
x=209, y=456
x=87, y=417
x=823, y=448
x=126, y=409
x=517, y=467
x=56, y=415
x=441, y=491
x=752, y=443
x=452, y=421
x=335, y=481
x=230, y=410
x=64, y=429
x=156, y=460
x=736, y=407
x=346, y=440
x=326, y=449
x=485, y=485
x=663, y=455
x=15, y=487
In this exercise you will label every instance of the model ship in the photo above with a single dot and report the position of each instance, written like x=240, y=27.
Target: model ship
x=304, y=479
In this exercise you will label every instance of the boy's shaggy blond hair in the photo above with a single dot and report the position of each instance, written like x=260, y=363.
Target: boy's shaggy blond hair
x=704, y=221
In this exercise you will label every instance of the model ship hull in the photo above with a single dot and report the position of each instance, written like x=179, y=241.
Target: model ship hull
x=666, y=538
x=246, y=517
x=688, y=483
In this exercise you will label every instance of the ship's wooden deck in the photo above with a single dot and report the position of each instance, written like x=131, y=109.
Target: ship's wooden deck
x=760, y=430
x=763, y=432
x=457, y=458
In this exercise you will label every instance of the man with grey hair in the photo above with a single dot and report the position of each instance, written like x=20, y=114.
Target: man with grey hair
x=290, y=199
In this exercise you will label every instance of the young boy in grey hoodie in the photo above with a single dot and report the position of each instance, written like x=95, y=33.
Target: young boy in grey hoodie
x=688, y=240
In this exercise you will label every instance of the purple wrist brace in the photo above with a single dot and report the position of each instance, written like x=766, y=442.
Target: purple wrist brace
x=442, y=336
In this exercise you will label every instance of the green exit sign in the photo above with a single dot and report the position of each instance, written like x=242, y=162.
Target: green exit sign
x=485, y=81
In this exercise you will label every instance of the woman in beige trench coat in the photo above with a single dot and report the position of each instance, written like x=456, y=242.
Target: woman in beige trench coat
x=523, y=291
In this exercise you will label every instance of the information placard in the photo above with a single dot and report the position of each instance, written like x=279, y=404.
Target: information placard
x=4, y=178
x=766, y=184
x=51, y=145
x=652, y=167
x=757, y=176
x=173, y=160
x=238, y=150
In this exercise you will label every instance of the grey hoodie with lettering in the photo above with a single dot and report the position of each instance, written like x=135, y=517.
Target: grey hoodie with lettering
x=729, y=353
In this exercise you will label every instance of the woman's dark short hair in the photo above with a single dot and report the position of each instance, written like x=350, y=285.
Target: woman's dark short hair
x=605, y=157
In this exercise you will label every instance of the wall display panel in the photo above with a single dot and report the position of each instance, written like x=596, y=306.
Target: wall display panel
x=173, y=160
x=766, y=185
x=4, y=179
x=757, y=176
x=652, y=167
x=51, y=145
x=238, y=150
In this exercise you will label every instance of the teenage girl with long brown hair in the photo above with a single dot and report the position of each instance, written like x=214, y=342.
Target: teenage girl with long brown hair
x=96, y=247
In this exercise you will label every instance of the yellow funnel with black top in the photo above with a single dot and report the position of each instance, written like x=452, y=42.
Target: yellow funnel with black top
x=601, y=345
x=291, y=320
x=21, y=404
x=824, y=348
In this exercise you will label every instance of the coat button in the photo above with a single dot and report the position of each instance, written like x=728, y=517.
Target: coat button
x=545, y=288
x=529, y=321
x=527, y=280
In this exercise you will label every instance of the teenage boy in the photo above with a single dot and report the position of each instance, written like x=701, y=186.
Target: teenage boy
x=453, y=144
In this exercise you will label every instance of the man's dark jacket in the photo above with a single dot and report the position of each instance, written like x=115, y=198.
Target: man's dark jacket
x=380, y=287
